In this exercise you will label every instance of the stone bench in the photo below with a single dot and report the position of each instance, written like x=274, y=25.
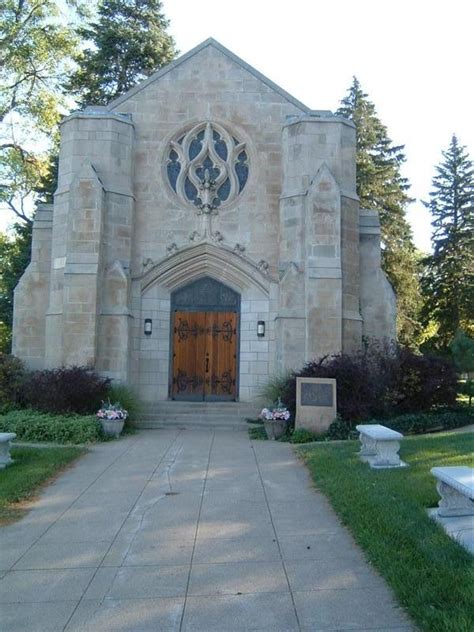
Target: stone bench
x=380, y=446
x=5, y=458
x=456, y=487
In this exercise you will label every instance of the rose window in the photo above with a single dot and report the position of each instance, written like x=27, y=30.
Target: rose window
x=207, y=167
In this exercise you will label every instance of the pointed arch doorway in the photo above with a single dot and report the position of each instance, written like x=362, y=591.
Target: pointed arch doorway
x=205, y=322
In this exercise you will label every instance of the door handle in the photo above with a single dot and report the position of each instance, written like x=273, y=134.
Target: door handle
x=207, y=364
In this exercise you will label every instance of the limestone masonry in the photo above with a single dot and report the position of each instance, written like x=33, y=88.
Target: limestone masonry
x=205, y=189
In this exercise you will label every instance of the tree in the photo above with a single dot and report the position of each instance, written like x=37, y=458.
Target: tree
x=127, y=43
x=15, y=253
x=462, y=349
x=36, y=43
x=381, y=186
x=448, y=282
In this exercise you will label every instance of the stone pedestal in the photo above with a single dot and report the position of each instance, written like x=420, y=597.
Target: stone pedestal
x=5, y=458
x=452, y=502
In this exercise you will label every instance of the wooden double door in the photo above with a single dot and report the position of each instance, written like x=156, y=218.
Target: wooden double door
x=204, y=366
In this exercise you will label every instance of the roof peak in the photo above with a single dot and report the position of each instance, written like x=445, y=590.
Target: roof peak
x=210, y=41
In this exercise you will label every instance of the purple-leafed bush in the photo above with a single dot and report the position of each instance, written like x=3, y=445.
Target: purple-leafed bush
x=73, y=389
x=380, y=382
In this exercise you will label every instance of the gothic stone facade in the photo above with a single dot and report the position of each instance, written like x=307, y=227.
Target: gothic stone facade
x=201, y=209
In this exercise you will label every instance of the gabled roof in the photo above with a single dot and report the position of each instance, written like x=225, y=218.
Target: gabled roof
x=194, y=51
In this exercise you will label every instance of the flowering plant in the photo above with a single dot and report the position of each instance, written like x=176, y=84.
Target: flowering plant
x=279, y=413
x=112, y=412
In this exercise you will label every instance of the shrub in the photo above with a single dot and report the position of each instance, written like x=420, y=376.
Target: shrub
x=274, y=388
x=11, y=376
x=415, y=423
x=340, y=429
x=65, y=390
x=128, y=399
x=429, y=422
x=302, y=435
x=421, y=382
x=381, y=382
x=31, y=425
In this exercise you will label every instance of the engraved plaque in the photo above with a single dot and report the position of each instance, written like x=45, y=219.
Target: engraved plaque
x=316, y=405
x=316, y=394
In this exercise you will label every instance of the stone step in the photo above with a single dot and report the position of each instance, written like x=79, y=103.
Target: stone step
x=218, y=415
x=193, y=424
x=203, y=405
x=188, y=408
x=189, y=418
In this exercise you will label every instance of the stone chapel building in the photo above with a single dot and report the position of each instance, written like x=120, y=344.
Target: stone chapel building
x=205, y=234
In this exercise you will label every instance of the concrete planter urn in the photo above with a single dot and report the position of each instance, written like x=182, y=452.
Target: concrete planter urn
x=112, y=418
x=274, y=429
x=112, y=427
x=275, y=420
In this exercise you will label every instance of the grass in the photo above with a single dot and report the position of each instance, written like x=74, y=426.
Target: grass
x=21, y=480
x=258, y=433
x=431, y=575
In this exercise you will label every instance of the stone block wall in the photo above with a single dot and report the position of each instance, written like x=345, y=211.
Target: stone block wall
x=32, y=294
x=209, y=86
x=92, y=228
x=378, y=301
x=319, y=240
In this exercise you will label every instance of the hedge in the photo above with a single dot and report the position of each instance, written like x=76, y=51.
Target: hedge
x=31, y=425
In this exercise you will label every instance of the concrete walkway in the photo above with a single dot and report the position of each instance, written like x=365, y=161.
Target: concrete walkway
x=182, y=530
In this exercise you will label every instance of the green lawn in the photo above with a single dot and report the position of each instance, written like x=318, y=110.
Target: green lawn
x=21, y=480
x=431, y=575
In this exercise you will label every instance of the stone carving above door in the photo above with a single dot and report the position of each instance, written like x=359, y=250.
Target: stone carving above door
x=207, y=167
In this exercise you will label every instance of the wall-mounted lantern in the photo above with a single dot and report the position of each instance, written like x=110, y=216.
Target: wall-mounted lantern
x=148, y=328
x=261, y=328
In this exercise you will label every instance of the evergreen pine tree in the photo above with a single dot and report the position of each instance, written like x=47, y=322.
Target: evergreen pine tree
x=448, y=283
x=381, y=186
x=128, y=42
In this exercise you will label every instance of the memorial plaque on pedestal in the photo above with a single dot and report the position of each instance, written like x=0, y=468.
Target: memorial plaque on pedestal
x=315, y=403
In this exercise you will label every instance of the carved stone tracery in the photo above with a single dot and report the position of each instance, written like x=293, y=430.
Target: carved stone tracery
x=207, y=167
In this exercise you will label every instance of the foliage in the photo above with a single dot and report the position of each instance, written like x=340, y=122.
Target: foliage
x=127, y=42
x=65, y=390
x=462, y=350
x=302, y=435
x=32, y=468
x=31, y=425
x=271, y=391
x=340, y=429
x=466, y=388
x=128, y=399
x=11, y=377
x=448, y=280
x=381, y=382
x=417, y=423
x=381, y=186
x=430, y=574
x=15, y=255
x=36, y=44
x=258, y=433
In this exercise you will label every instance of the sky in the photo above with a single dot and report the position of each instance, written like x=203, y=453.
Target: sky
x=413, y=57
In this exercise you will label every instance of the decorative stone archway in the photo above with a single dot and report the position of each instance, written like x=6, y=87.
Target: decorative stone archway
x=164, y=281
